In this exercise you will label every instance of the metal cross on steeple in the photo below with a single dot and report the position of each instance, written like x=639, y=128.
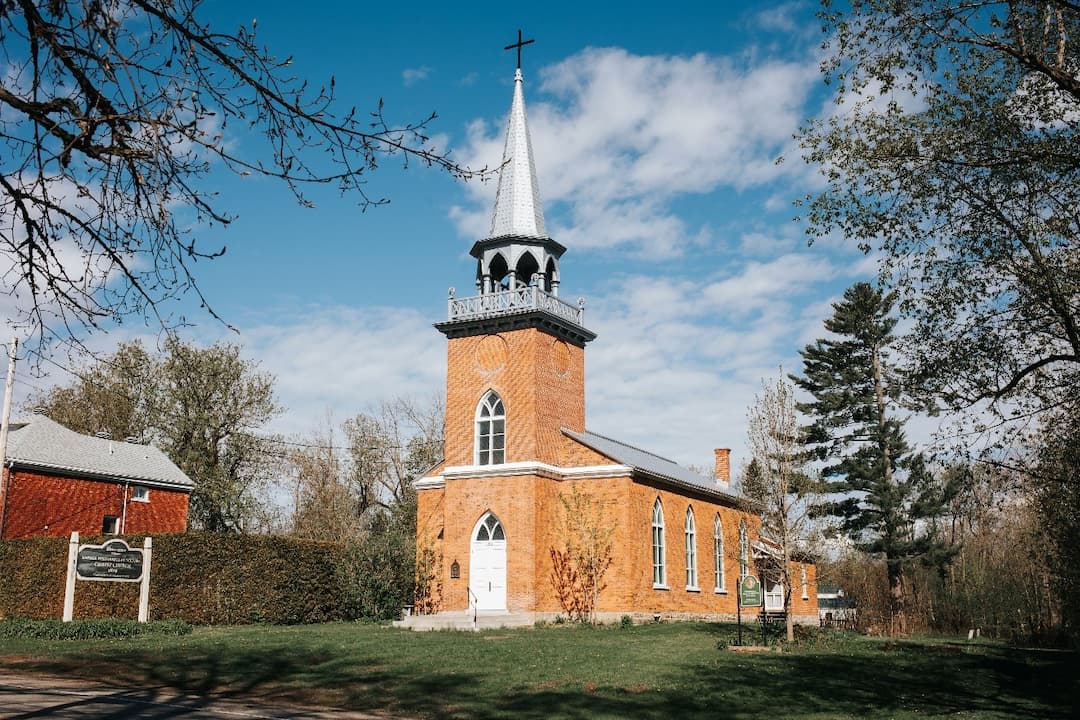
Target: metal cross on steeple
x=519, y=44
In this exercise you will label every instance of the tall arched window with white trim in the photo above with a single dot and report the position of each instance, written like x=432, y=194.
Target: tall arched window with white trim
x=802, y=579
x=718, y=553
x=690, y=530
x=744, y=550
x=490, y=430
x=659, y=572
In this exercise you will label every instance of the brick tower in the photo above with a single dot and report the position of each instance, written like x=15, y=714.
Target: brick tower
x=515, y=380
x=515, y=336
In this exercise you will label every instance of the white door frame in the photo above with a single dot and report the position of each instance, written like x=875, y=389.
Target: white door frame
x=487, y=564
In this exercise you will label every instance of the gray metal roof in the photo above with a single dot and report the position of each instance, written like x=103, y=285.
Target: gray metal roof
x=651, y=465
x=518, y=210
x=41, y=443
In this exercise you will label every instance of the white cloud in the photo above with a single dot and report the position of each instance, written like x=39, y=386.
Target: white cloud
x=622, y=135
x=411, y=76
x=785, y=17
x=347, y=360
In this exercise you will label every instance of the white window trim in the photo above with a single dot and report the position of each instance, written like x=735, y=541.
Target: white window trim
x=744, y=550
x=690, y=538
x=491, y=418
x=719, y=570
x=134, y=494
x=802, y=577
x=659, y=541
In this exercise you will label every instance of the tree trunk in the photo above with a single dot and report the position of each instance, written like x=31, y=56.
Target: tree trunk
x=898, y=626
x=790, y=621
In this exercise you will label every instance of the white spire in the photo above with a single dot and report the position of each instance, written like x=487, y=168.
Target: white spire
x=517, y=202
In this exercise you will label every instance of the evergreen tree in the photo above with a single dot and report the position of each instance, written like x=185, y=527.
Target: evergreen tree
x=879, y=489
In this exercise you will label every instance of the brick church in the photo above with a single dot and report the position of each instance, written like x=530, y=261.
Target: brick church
x=490, y=515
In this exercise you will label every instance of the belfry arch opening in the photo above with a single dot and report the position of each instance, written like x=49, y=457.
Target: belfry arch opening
x=527, y=269
x=499, y=273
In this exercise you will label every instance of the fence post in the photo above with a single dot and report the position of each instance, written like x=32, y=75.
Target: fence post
x=69, y=586
x=144, y=586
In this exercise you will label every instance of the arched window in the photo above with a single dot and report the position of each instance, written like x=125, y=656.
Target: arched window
x=659, y=574
x=691, y=550
x=718, y=553
x=744, y=550
x=490, y=529
x=802, y=578
x=490, y=430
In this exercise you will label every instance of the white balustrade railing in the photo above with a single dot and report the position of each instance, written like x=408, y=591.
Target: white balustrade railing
x=522, y=299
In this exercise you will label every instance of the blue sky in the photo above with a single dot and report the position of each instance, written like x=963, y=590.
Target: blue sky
x=656, y=131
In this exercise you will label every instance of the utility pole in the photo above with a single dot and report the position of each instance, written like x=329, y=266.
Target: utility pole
x=4, y=422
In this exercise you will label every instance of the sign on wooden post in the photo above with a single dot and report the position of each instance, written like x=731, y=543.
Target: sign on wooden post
x=112, y=561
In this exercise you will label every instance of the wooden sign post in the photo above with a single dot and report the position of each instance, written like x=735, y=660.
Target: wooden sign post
x=113, y=561
x=748, y=595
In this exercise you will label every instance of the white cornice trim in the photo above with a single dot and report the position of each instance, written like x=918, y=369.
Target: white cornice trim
x=514, y=469
x=432, y=482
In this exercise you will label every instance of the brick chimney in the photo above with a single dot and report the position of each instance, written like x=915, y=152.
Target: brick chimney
x=723, y=467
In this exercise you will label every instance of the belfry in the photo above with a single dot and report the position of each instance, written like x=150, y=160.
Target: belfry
x=492, y=517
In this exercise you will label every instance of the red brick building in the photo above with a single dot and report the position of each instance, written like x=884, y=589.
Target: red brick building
x=490, y=515
x=58, y=481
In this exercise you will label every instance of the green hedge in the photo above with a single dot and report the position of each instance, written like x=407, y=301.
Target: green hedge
x=200, y=578
x=90, y=629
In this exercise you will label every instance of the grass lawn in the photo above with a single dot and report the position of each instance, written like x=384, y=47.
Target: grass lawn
x=649, y=671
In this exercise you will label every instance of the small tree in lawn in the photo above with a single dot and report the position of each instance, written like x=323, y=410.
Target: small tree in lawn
x=777, y=478
x=578, y=568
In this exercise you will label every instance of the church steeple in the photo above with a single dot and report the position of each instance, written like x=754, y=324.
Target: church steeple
x=518, y=210
x=517, y=265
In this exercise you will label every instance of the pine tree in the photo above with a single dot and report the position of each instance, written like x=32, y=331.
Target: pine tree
x=878, y=488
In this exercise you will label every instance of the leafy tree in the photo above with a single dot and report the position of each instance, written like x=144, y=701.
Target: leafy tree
x=115, y=113
x=586, y=554
x=379, y=571
x=201, y=406
x=117, y=395
x=880, y=489
x=339, y=489
x=778, y=480
x=212, y=402
x=955, y=153
x=361, y=493
x=324, y=506
x=1057, y=493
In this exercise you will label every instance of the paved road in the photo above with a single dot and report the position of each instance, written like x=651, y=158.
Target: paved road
x=25, y=697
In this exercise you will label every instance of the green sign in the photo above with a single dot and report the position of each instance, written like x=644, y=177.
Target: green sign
x=112, y=561
x=750, y=592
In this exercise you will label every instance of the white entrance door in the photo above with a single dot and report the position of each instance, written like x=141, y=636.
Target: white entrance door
x=487, y=564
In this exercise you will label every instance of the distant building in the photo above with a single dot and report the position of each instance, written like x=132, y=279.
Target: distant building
x=834, y=607
x=58, y=481
x=491, y=516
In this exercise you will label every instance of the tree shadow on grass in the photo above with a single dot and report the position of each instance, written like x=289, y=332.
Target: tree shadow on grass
x=876, y=684
x=319, y=678
x=872, y=680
